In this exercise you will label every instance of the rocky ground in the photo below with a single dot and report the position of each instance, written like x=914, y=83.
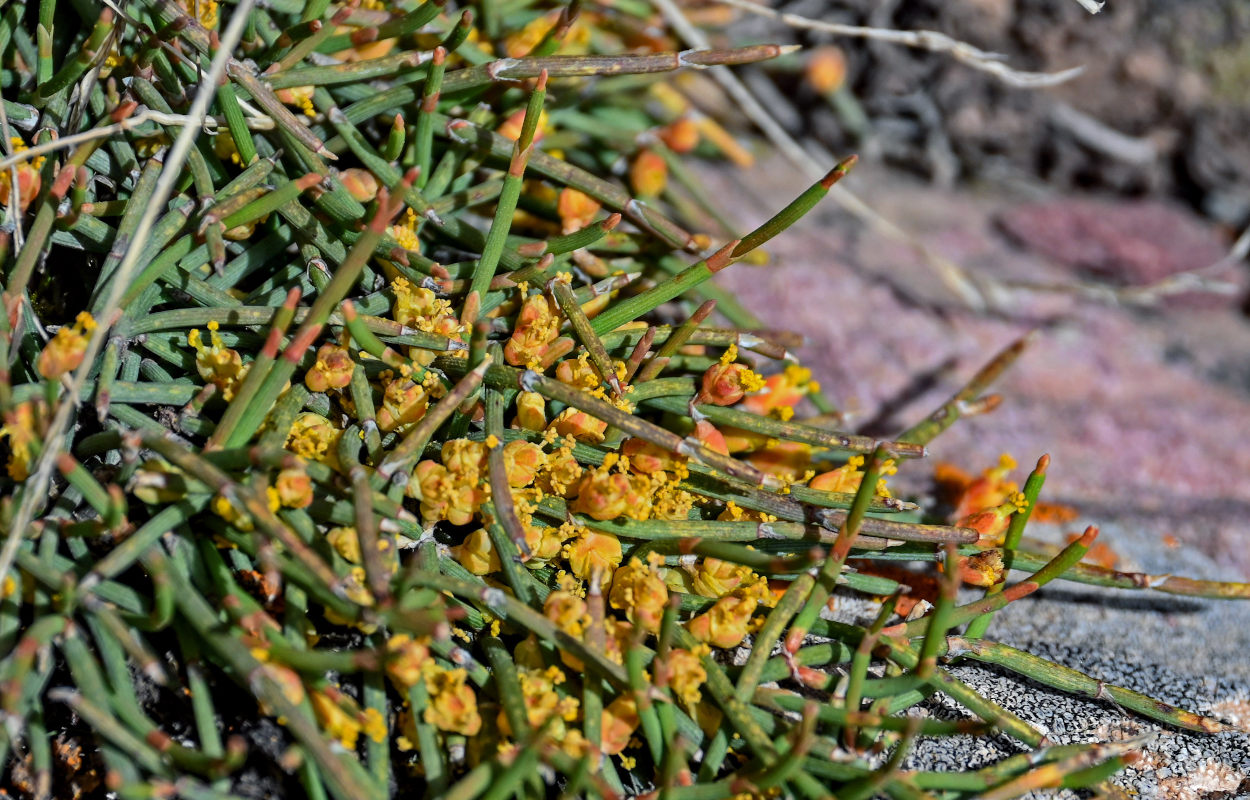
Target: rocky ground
x=1144, y=409
x=1159, y=110
x=1190, y=653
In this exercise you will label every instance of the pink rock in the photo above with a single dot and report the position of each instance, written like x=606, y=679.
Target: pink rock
x=1126, y=243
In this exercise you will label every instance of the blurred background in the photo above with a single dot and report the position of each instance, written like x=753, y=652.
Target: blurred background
x=1106, y=212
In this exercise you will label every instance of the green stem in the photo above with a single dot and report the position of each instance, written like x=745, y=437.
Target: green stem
x=1015, y=529
x=505, y=208
x=793, y=212
x=1069, y=680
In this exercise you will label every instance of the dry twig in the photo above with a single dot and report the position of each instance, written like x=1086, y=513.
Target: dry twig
x=933, y=41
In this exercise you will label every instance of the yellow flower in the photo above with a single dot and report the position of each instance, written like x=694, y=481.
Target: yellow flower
x=218, y=364
x=300, y=97
x=566, y=608
x=685, y=672
x=66, y=350
x=576, y=209
x=294, y=488
x=728, y=382
x=544, y=541
x=603, y=494
x=406, y=660
x=521, y=462
x=332, y=370
x=681, y=135
x=579, y=373
x=991, y=523
x=670, y=502
x=543, y=702
x=982, y=569
x=561, y=475
x=567, y=611
x=477, y=554
x=346, y=543
x=845, y=478
x=29, y=178
x=782, y=390
x=620, y=637
x=339, y=715
x=374, y=725
x=1019, y=500
x=724, y=624
x=723, y=384
x=405, y=232
x=757, y=588
x=733, y=512
x=648, y=458
x=359, y=183
x=354, y=588
x=227, y=510
x=225, y=148
x=453, y=705
x=619, y=721
x=205, y=11
x=640, y=592
x=403, y=402
x=593, y=551
x=713, y=577
x=444, y=495
x=466, y=458
x=991, y=489
x=575, y=744
x=20, y=427
x=531, y=411
x=537, y=326
x=418, y=307
x=648, y=174
x=313, y=437
x=581, y=426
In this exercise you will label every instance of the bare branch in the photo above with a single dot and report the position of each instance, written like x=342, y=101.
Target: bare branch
x=261, y=123
x=1098, y=135
x=1092, y=6
x=933, y=41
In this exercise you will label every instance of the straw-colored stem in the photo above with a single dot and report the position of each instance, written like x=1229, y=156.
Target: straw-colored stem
x=927, y=429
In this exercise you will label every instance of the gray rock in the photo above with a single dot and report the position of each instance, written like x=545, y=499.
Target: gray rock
x=1184, y=651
